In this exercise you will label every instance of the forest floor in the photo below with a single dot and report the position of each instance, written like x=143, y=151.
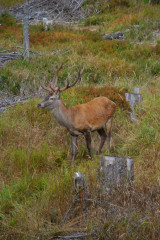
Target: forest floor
x=36, y=176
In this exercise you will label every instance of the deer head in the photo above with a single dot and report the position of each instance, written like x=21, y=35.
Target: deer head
x=50, y=101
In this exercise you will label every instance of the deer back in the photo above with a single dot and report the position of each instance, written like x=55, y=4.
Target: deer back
x=92, y=115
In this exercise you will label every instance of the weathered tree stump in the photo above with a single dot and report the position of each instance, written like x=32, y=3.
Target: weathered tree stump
x=115, y=172
x=134, y=99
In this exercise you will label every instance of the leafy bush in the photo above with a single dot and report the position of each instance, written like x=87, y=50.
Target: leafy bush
x=94, y=20
x=155, y=1
x=114, y=3
x=105, y=4
x=156, y=69
x=11, y=84
x=84, y=95
x=9, y=3
x=7, y=20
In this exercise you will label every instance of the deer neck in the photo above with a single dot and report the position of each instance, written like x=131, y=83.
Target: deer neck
x=62, y=114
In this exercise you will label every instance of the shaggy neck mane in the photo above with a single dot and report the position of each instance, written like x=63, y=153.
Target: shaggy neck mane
x=62, y=114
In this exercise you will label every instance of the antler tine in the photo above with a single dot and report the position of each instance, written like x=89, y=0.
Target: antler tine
x=55, y=74
x=66, y=87
x=54, y=81
x=71, y=85
x=46, y=88
x=78, y=78
x=52, y=87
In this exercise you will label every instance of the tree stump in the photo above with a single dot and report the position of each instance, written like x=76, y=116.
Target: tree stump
x=134, y=99
x=115, y=171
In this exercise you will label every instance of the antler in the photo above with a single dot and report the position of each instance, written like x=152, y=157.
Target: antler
x=46, y=88
x=54, y=81
x=71, y=85
x=51, y=89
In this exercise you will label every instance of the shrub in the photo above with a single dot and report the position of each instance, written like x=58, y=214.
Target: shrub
x=155, y=1
x=94, y=20
x=6, y=81
x=9, y=3
x=7, y=20
x=113, y=4
x=105, y=4
x=84, y=95
x=155, y=69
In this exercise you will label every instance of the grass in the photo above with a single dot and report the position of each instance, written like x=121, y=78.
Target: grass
x=105, y=61
x=35, y=169
x=8, y=3
x=37, y=177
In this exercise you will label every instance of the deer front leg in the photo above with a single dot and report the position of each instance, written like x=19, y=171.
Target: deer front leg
x=74, y=147
x=87, y=135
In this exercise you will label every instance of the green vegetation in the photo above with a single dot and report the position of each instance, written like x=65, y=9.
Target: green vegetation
x=103, y=4
x=36, y=177
x=10, y=3
x=7, y=20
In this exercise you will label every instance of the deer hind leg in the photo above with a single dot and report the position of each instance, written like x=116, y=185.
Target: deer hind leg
x=87, y=135
x=108, y=126
x=103, y=139
x=74, y=147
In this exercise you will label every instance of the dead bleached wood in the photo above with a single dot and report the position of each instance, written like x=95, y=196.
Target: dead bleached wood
x=26, y=30
x=75, y=236
x=115, y=172
x=8, y=100
x=62, y=10
x=133, y=99
x=120, y=35
x=139, y=223
x=11, y=54
x=117, y=35
x=5, y=57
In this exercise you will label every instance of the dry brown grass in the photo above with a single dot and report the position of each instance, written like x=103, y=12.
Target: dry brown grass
x=36, y=176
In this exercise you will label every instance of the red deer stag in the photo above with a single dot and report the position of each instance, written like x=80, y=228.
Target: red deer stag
x=95, y=115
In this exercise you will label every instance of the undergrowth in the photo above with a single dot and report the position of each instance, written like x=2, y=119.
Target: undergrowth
x=36, y=177
x=105, y=61
x=8, y=3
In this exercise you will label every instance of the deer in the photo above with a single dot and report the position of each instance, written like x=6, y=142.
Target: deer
x=95, y=115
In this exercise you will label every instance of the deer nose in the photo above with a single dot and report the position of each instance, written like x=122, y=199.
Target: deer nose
x=39, y=105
